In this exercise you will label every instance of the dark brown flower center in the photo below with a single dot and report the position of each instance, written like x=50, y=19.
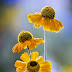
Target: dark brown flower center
x=48, y=12
x=33, y=63
x=24, y=35
x=33, y=66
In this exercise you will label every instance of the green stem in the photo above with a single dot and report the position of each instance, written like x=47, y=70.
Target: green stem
x=29, y=53
x=44, y=46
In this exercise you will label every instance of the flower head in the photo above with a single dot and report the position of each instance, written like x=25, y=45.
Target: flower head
x=25, y=40
x=24, y=35
x=48, y=12
x=36, y=64
x=45, y=18
x=68, y=67
x=33, y=66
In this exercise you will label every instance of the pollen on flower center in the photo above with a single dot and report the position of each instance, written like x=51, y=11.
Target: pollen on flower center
x=24, y=35
x=33, y=66
x=48, y=12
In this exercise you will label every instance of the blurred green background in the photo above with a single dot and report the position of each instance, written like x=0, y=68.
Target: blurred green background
x=13, y=19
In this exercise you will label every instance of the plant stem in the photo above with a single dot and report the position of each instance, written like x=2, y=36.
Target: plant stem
x=44, y=46
x=29, y=53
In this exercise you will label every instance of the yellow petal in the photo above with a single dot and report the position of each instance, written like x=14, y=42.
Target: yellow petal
x=42, y=22
x=38, y=40
x=34, y=17
x=59, y=23
x=44, y=70
x=57, y=26
x=34, y=56
x=47, y=24
x=20, y=64
x=26, y=43
x=20, y=69
x=15, y=48
x=25, y=57
x=46, y=65
x=54, y=25
x=20, y=47
x=38, y=20
x=35, y=42
x=37, y=25
x=32, y=45
x=40, y=59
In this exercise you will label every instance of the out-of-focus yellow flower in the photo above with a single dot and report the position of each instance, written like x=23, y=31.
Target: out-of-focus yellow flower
x=7, y=16
x=25, y=40
x=68, y=68
x=45, y=18
x=36, y=64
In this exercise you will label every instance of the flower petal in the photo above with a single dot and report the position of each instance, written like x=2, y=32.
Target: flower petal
x=35, y=42
x=25, y=57
x=57, y=26
x=34, y=56
x=44, y=70
x=40, y=59
x=37, y=25
x=42, y=22
x=38, y=40
x=46, y=65
x=20, y=69
x=34, y=17
x=32, y=45
x=59, y=23
x=26, y=43
x=15, y=48
x=20, y=64
x=47, y=24
x=20, y=47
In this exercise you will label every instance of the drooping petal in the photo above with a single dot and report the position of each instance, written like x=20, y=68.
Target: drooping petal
x=51, y=25
x=37, y=25
x=20, y=64
x=20, y=47
x=61, y=25
x=38, y=40
x=57, y=29
x=15, y=48
x=32, y=45
x=26, y=43
x=47, y=25
x=35, y=42
x=25, y=57
x=45, y=65
x=40, y=59
x=42, y=22
x=20, y=69
x=54, y=26
x=34, y=56
x=34, y=17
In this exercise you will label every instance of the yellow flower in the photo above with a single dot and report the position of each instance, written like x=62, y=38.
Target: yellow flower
x=68, y=68
x=36, y=64
x=45, y=18
x=25, y=40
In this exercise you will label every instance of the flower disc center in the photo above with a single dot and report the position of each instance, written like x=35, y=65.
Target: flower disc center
x=33, y=63
x=24, y=35
x=48, y=12
x=33, y=66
